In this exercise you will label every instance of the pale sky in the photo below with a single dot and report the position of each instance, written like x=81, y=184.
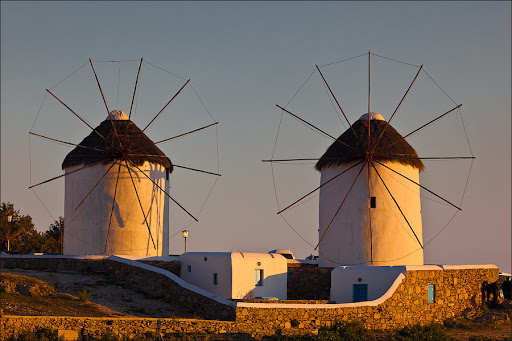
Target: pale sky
x=243, y=58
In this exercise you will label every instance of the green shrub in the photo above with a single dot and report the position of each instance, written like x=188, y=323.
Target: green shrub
x=40, y=334
x=351, y=331
x=458, y=323
x=433, y=331
x=83, y=294
x=341, y=331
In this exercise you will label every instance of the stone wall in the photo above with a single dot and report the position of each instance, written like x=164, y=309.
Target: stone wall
x=95, y=327
x=162, y=287
x=172, y=266
x=53, y=263
x=308, y=282
x=456, y=290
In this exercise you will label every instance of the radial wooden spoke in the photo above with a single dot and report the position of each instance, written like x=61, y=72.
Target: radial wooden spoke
x=416, y=130
x=140, y=204
x=414, y=182
x=336, y=100
x=135, y=89
x=396, y=203
x=131, y=106
x=69, y=143
x=339, y=208
x=149, y=155
x=395, y=156
x=177, y=136
x=80, y=118
x=65, y=174
x=99, y=86
x=165, y=106
x=291, y=160
x=106, y=106
x=92, y=189
x=370, y=213
x=397, y=107
x=369, y=119
x=195, y=170
x=318, y=129
x=154, y=118
x=316, y=189
x=177, y=203
x=113, y=207
x=190, y=132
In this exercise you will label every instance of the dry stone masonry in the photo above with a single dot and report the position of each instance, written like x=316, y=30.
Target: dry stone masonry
x=455, y=290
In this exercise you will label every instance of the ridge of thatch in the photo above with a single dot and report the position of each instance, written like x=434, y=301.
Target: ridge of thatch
x=401, y=152
x=141, y=151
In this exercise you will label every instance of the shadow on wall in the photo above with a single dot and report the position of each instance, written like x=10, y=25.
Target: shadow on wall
x=273, y=286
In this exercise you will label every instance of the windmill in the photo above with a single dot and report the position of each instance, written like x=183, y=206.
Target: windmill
x=117, y=182
x=366, y=217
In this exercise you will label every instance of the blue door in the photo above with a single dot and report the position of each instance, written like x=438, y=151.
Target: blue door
x=360, y=292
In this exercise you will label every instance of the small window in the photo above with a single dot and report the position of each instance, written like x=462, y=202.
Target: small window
x=431, y=293
x=373, y=202
x=215, y=279
x=259, y=277
x=288, y=275
x=189, y=268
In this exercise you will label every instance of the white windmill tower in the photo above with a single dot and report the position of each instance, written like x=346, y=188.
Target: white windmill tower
x=366, y=227
x=125, y=213
x=117, y=186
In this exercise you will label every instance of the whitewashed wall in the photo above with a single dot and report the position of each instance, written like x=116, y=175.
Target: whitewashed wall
x=201, y=274
x=86, y=229
x=236, y=273
x=378, y=278
x=348, y=240
x=275, y=271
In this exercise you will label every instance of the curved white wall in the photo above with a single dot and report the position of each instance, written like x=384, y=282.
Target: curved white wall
x=348, y=240
x=85, y=230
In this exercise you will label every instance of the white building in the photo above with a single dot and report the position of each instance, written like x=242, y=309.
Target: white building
x=362, y=283
x=109, y=163
x=237, y=275
x=370, y=228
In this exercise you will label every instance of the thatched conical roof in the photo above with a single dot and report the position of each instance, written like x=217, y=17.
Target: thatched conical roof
x=401, y=151
x=141, y=151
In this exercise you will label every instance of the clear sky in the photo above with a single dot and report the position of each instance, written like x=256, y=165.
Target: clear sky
x=243, y=58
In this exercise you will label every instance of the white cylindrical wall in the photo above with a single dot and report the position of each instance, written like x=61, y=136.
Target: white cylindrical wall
x=86, y=228
x=349, y=241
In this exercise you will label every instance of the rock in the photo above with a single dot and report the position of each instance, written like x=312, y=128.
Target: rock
x=67, y=335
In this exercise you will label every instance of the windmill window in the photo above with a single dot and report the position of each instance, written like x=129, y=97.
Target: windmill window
x=373, y=202
x=215, y=279
x=189, y=268
x=259, y=277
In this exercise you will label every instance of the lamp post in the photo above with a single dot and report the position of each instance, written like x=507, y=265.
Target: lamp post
x=9, y=219
x=185, y=235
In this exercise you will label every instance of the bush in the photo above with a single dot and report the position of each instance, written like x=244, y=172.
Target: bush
x=341, y=331
x=458, y=323
x=433, y=331
x=40, y=334
x=351, y=331
x=83, y=294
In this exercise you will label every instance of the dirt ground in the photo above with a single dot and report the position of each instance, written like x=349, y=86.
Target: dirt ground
x=119, y=299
